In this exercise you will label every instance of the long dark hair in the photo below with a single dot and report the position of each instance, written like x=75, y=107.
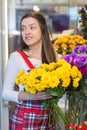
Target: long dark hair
x=48, y=54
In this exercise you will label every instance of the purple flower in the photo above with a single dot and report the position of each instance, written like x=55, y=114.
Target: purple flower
x=84, y=70
x=80, y=49
x=79, y=58
x=69, y=58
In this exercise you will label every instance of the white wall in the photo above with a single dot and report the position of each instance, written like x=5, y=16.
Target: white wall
x=3, y=60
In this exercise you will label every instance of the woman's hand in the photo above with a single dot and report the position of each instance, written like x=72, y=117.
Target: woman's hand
x=22, y=96
x=42, y=96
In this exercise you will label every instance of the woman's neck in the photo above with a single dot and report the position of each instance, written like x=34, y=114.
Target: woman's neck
x=33, y=53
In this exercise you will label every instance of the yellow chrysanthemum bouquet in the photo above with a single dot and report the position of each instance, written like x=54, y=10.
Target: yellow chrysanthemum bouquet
x=66, y=43
x=54, y=79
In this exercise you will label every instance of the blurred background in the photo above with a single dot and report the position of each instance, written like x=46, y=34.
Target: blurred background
x=61, y=17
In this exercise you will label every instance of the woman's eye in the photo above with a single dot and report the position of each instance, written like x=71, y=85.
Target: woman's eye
x=22, y=29
x=33, y=27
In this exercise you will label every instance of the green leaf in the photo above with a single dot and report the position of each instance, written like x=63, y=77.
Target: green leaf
x=59, y=91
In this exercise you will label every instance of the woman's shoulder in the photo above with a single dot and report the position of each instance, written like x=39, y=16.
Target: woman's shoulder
x=14, y=54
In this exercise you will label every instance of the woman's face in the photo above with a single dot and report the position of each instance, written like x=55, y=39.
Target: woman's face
x=31, y=32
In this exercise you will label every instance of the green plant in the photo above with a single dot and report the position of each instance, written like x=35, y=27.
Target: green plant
x=83, y=14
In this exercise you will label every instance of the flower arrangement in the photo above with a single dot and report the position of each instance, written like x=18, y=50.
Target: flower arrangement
x=52, y=78
x=83, y=126
x=79, y=58
x=59, y=76
x=66, y=43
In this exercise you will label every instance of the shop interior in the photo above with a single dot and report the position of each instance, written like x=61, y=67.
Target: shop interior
x=61, y=17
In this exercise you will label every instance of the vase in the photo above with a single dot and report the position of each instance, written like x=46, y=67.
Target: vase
x=77, y=105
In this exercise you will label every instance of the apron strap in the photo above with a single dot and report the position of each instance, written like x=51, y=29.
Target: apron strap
x=25, y=58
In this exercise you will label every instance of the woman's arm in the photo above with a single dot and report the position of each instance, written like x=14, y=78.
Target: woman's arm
x=38, y=96
x=15, y=64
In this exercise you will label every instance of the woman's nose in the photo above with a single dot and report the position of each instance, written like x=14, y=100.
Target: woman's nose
x=27, y=31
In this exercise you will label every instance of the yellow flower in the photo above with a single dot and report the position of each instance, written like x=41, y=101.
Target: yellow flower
x=66, y=43
x=76, y=82
x=66, y=82
x=49, y=76
x=29, y=89
x=17, y=81
x=75, y=72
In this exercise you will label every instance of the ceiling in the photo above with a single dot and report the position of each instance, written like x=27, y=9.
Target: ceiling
x=42, y=1
x=72, y=2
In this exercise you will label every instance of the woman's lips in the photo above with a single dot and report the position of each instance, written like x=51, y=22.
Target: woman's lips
x=28, y=37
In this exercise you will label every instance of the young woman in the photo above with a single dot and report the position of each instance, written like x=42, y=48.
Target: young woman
x=36, y=46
